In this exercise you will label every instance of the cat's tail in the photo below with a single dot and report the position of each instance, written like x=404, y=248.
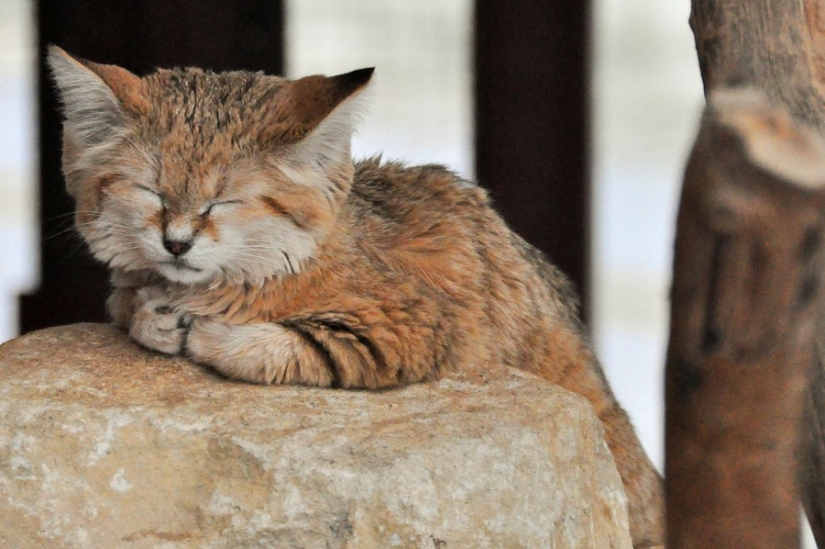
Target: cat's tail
x=643, y=485
x=581, y=373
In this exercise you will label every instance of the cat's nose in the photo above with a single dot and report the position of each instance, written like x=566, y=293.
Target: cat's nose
x=177, y=247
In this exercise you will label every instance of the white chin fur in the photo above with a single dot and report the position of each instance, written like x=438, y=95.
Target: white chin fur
x=183, y=275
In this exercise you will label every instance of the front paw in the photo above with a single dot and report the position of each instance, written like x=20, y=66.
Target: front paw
x=157, y=325
x=259, y=353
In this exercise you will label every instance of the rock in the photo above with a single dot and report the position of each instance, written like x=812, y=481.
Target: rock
x=104, y=445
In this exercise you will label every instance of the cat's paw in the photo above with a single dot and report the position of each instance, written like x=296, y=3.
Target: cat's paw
x=231, y=350
x=156, y=324
x=258, y=353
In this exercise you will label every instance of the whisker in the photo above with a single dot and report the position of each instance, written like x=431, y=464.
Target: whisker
x=289, y=262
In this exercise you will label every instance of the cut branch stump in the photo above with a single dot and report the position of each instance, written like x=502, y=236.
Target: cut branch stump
x=778, y=47
x=746, y=301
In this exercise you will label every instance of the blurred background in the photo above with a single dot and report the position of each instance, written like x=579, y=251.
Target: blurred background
x=577, y=115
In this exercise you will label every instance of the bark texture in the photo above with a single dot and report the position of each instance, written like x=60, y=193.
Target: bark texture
x=778, y=47
x=745, y=308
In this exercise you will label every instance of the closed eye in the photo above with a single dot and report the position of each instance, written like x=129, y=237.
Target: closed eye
x=210, y=208
x=154, y=193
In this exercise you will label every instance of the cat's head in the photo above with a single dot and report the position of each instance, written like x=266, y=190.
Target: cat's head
x=203, y=176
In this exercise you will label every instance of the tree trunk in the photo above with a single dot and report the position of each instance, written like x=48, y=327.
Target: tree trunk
x=778, y=47
x=745, y=307
x=812, y=471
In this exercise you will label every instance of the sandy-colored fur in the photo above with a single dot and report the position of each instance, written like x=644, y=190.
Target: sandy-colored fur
x=296, y=265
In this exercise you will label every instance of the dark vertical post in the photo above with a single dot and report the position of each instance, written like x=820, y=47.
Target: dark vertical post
x=140, y=35
x=531, y=93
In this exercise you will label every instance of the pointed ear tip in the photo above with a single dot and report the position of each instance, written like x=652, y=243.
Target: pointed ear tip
x=359, y=77
x=366, y=72
x=55, y=50
x=56, y=54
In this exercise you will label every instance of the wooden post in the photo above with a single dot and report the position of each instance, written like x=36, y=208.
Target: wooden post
x=531, y=90
x=778, y=47
x=746, y=298
x=812, y=470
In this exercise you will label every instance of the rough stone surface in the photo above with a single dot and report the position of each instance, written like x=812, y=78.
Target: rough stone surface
x=103, y=444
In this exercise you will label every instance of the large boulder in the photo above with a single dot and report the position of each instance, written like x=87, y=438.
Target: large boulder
x=105, y=445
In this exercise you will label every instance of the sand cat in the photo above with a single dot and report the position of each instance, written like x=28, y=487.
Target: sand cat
x=240, y=233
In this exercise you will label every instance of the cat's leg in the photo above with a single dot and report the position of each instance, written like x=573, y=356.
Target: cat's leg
x=264, y=353
x=155, y=323
x=123, y=300
x=322, y=349
x=120, y=306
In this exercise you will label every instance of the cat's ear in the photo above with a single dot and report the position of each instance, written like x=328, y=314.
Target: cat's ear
x=320, y=114
x=96, y=98
x=313, y=99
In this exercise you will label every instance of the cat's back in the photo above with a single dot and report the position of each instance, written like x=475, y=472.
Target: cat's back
x=428, y=223
x=433, y=222
x=423, y=221
x=421, y=208
x=408, y=195
x=407, y=210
